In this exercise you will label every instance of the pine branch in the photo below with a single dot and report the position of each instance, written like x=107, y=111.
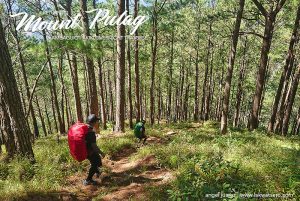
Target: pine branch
x=279, y=5
x=260, y=7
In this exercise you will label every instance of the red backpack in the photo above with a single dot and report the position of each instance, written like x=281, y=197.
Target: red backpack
x=76, y=140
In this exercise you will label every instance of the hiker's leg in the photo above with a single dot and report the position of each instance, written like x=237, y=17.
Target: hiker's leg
x=94, y=166
x=99, y=163
x=145, y=138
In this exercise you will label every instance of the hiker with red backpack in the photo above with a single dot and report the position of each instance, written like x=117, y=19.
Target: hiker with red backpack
x=82, y=144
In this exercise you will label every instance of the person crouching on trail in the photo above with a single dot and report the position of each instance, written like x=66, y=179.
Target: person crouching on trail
x=139, y=131
x=93, y=151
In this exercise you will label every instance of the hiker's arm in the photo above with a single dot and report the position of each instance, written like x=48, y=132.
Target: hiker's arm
x=144, y=130
x=97, y=150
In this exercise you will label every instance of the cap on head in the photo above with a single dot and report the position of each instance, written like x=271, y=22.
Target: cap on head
x=143, y=121
x=92, y=118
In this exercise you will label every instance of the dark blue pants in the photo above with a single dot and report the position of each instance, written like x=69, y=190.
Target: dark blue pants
x=96, y=162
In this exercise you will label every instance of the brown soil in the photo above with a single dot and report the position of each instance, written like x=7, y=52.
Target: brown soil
x=123, y=178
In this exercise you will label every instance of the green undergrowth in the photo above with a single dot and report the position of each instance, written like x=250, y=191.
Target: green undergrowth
x=204, y=163
x=19, y=178
x=207, y=163
x=53, y=165
x=113, y=145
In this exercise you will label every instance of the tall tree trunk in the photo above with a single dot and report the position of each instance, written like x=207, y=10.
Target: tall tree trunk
x=240, y=87
x=196, y=95
x=159, y=102
x=22, y=63
x=235, y=38
x=1, y=141
x=73, y=70
x=270, y=18
x=40, y=115
x=94, y=109
x=186, y=94
x=145, y=102
x=86, y=90
x=68, y=111
x=218, y=113
x=105, y=90
x=130, y=108
x=53, y=110
x=153, y=62
x=286, y=69
x=296, y=129
x=100, y=76
x=111, y=109
x=63, y=89
x=181, y=97
x=120, y=73
x=264, y=88
x=47, y=116
x=53, y=86
x=290, y=101
x=136, y=68
x=206, y=73
x=7, y=133
x=102, y=102
x=12, y=116
x=209, y=87
x=71, y=56
x=170, y=84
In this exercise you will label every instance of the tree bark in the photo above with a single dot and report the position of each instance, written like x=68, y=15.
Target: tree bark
x=100, y=76
x=290, y=101
x=239, y=92
x=53, y=110
x=94, y=109
x=53, y=86
x=71, y=56
x=130, y=108
x=63, y=89
x=270, y=18
x=136, y=68
x=111, y=109
x=41, y=115
x=22, y=63
x=209, y=96
x=13, y=122
x=196, y=98
x=47, y=116
x=120, y=73
x=170, y=84
x=153, y=61
x=286, y=70
x=296, y=129
x=206, y=74
x=235, y=38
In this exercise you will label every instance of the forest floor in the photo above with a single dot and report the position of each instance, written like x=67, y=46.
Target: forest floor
x=122, y=178
x=179, y=161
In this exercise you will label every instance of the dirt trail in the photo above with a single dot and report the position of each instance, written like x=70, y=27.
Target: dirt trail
x=122, y=179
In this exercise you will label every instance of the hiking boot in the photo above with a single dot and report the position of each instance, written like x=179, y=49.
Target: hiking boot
x=89, y=182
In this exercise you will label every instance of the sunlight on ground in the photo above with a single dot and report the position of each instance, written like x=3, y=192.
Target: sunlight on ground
x=203, y=160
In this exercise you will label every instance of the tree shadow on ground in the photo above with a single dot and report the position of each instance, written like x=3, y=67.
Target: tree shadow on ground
x=125, y=179
x=53, y=196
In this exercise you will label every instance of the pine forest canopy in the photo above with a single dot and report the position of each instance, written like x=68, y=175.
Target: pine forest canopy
x=230, y=61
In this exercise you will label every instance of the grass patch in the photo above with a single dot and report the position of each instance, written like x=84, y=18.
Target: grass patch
x=203, y=161
x=113, y=145
x=240, y=162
